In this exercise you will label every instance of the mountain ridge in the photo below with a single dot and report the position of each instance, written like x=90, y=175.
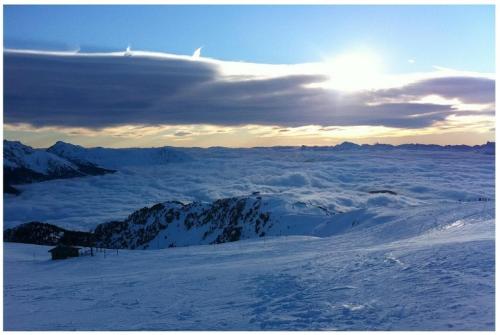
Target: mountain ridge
x=345, y=145
x=173, y=223
x=24, y=164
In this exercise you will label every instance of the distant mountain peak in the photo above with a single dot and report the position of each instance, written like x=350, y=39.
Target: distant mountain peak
x=24, y=164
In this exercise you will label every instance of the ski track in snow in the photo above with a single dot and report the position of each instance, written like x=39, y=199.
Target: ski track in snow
x=425, y=262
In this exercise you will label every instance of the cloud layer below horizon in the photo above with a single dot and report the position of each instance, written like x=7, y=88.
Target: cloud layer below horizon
x=112, y=91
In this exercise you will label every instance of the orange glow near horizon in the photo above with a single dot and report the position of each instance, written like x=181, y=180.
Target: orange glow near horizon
x=455, y=129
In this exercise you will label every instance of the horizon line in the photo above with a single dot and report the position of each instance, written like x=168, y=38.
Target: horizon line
x=271, y=146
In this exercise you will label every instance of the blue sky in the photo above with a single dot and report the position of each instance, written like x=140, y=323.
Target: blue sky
x=459, y=37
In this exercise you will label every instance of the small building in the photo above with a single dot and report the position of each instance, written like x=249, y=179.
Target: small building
x=64, y=251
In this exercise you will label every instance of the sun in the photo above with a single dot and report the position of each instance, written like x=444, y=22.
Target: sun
x=354, y=71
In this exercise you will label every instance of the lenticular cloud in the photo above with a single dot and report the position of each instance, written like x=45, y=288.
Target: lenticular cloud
x=104, y=90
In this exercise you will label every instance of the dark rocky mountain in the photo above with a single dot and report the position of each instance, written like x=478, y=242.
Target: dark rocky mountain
x=10, y=189
x=46, y=234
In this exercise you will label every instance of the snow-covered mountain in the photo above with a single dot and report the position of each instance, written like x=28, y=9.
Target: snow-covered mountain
x=116, y=158
x=18, y=155
x=173, y=223
x=23, y=164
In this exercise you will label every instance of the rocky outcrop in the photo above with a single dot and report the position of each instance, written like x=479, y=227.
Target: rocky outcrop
x=176, y=224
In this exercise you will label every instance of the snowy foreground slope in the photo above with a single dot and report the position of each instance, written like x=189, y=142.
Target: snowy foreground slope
x=420, y=257
x=374, y=278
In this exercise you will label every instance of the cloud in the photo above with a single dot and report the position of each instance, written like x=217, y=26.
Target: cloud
x=466, y=89
x=182, y=133
x=97, y=91
x=197, y=53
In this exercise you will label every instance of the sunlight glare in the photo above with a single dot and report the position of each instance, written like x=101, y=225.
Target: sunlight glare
x=354, y=71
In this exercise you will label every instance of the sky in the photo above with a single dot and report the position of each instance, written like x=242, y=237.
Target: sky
x=265, y=75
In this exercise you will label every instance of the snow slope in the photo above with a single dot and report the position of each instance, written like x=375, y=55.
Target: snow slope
x=379, y=239
x=431, y=269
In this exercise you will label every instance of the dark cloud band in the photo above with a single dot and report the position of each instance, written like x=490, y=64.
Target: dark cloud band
x=104, y=91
